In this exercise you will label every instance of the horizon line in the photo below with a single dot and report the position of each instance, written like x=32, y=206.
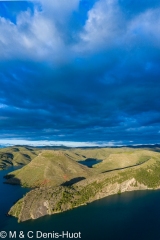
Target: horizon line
x=45, y=143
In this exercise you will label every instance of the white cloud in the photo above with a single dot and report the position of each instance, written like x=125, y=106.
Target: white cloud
x=145, y=28
x=108, y=26
x=12, y=142
x=42, y=36
x=104, y=25
x=32, y=37
x=37, y=36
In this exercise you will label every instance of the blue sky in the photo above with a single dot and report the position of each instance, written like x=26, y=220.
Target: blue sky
x=80, y=71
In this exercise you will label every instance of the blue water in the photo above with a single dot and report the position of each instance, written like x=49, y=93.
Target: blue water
x=90, y=162
x=129, y=216
x=8, y=195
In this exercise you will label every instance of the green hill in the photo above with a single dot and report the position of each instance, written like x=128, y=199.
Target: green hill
x=49, y=168
x=50, y=200
x=125, y=159
x=16, y=156
x=62, y=183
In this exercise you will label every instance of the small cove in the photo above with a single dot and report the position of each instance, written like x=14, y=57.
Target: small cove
x=90, y=162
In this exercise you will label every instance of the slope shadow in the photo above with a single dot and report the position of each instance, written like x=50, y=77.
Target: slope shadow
x=72, y=181
x=11, y=179
x=135, y=165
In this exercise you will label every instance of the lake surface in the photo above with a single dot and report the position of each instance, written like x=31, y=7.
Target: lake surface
x=89, y=162
x=129, y=216
x=8, y=195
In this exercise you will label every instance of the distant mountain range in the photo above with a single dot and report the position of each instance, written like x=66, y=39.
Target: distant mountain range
x=63, y=146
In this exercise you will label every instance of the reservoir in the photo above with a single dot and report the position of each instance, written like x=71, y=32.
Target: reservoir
x=128, y=216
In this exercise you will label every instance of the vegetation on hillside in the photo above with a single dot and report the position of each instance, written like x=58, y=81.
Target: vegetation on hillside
x=62, y=183
x=16, y=156
x=50, y=168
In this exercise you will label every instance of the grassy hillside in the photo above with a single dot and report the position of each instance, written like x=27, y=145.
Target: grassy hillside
x=16, y=156
x=103, y=153
x=96, y=153
x=49, y=168
x=125, y=159
x=62, y=183
x=51, y=200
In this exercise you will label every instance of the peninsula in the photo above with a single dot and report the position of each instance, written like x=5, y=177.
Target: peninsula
x=59, y=182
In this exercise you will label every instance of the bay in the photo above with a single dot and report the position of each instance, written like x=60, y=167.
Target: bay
x=128, y=216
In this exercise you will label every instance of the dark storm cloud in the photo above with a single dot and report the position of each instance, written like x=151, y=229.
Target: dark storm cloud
x=100, y=84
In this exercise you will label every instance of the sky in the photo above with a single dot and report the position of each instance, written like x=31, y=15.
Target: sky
x=80, y=72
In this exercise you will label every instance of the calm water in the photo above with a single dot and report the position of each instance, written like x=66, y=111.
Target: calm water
x=90, y=162
x=129, y=216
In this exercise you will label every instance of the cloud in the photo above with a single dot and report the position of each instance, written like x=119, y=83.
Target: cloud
x=95, y=82
x=145, y=27
x=108, y=26
x=59, y=9
x=38, y=35
x=103, y=25
x=22, y=42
